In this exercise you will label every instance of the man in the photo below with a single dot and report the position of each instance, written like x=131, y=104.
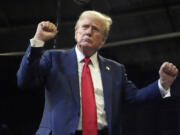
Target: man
x=63, y=74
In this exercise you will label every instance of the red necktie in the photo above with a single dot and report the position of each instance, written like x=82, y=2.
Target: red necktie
x=89, y=114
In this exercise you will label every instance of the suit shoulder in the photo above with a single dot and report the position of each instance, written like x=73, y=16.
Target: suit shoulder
x=111, y=62
x=56, y=52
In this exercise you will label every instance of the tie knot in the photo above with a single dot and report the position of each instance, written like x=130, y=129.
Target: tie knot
x=87, y=60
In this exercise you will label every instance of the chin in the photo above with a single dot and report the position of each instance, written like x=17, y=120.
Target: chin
x=86, y=45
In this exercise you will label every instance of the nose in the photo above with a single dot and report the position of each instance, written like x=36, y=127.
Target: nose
x=89, y=31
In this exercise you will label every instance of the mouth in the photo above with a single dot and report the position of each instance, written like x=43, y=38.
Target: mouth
x=87, y=40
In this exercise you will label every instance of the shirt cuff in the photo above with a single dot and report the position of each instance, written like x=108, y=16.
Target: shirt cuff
x=164, y=93
x=36, y=43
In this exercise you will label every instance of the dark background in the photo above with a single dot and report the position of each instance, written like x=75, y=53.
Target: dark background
x=144, y=34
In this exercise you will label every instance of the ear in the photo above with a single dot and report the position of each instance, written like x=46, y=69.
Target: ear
x=75, y=35
x=103, y=40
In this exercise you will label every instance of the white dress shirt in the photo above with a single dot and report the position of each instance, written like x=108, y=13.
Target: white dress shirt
x=98, y=88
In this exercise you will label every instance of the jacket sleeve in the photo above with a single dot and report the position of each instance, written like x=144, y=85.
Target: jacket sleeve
x=33, y=68
x=135, y=95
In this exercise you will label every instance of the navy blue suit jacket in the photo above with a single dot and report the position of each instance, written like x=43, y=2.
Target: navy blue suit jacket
x=56, y=71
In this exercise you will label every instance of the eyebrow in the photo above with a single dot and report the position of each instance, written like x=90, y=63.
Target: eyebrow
x=94, y=26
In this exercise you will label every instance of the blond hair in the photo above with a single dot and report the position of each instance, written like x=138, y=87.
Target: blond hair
x=106, y=20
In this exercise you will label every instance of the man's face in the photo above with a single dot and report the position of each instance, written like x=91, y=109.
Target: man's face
x=89, y=34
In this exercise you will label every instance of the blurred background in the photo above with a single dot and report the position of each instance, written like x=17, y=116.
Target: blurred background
x=144, y=34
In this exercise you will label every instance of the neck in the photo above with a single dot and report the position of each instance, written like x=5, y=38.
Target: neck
x=87, y=52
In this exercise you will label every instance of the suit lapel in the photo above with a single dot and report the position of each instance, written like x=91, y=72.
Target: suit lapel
x=106, y=75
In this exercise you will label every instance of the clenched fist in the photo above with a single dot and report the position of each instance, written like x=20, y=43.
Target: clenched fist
x=168, y=73
x=45, y=31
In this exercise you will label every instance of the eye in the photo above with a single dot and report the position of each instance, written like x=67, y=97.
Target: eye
x=95, y=28
x=85, y=26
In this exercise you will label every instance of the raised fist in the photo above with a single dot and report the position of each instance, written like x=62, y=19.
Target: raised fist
x=168, y=73
x=45, y=31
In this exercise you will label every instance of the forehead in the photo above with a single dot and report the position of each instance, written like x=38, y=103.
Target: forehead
x=90, y=20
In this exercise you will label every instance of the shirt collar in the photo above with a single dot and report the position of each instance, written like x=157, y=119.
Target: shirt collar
x=80, y=57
